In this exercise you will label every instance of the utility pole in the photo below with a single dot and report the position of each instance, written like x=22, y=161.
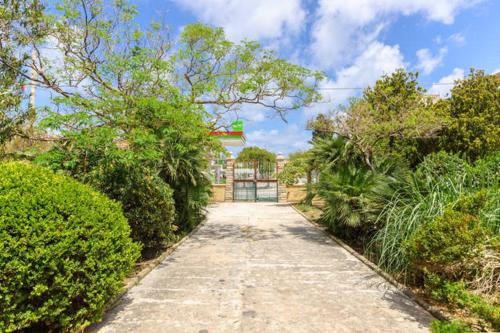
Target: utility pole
x=31, y=106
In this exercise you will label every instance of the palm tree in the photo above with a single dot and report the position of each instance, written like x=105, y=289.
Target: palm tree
x=353, y=192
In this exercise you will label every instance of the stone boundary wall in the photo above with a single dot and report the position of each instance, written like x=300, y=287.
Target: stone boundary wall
x=282, y=192
x=286, y=193
x=297, y=193
x=228, y=193
x=218, y=193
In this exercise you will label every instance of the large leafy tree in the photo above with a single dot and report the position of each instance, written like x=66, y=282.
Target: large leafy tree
x=129, y=97
x=90, y=51
x=393, y=117
x=212, y=70
x=474, y=111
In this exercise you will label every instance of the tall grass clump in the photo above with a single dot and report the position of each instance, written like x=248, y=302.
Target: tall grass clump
x=439, y=181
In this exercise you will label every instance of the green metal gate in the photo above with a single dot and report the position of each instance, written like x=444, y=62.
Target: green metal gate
x=254, y=181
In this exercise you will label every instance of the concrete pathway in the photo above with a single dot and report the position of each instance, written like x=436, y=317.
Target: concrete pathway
x=262, y=268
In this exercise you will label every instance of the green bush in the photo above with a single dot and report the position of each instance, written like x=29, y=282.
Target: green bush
x=443, y=290
x=455, y=295
x=472, y=203
x=441, y=166
x=487, y=170
x=473, y=128
x=304, y=207
x=191, y=202
x=449, y=327
x=64, y=250
x=349, y=210
x=147, y=202
x=353, y=192
x=446, y=246
x=438, y=183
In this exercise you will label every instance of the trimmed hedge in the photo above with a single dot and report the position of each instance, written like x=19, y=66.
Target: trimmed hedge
x=147, y=201
x=64, y=250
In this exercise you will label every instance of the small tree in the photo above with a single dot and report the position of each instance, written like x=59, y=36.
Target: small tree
x=296, y=167
x=474, y=111
x=392, y=118
x=260, y=155
x=322, y=126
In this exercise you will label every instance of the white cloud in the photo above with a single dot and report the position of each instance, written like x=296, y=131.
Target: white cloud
x=427, y=62
x=438, y=40
x=289, y=139
x=253, y=19
x=378, y=59
x=457, y=38
x=253, y=113
x=443, y=86
x=496, y=71
x=342, y=27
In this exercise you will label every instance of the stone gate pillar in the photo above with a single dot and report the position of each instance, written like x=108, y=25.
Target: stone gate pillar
x=228, y=193
x=280, y=161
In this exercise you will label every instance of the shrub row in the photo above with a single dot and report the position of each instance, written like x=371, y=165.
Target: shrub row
x=64, y=250
x=441, y=220
x=147, y=202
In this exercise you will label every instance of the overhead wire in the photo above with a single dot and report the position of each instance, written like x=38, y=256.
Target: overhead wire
x=361, y=88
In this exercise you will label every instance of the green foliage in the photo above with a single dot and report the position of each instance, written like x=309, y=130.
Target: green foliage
x=334, y=153
x=348, y=200
x=474, y=111
x=447, y=246
x=440, y=167
x=147, y=202
x=218, y=71
x=393, y=118
x=165, y=148
x=191, y=200
x=322, y=126
x=455, y=295
x=487, y=169
x=353, y=192
x=258, y=154
x=304, y=207
x=64, y=251
x=436, y=185
x=296, y=167
x=449, y=327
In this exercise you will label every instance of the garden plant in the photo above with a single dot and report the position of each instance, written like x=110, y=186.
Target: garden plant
x=413, y=183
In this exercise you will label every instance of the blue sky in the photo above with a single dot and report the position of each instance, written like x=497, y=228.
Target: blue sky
x=353, y=41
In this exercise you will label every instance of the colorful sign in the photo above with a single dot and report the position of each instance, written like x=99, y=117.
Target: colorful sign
x=235, y=137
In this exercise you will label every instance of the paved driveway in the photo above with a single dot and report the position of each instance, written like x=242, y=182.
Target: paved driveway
x=262, y=268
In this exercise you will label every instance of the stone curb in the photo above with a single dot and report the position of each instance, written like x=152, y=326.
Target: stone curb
x=436, y=313
x=146, y=270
